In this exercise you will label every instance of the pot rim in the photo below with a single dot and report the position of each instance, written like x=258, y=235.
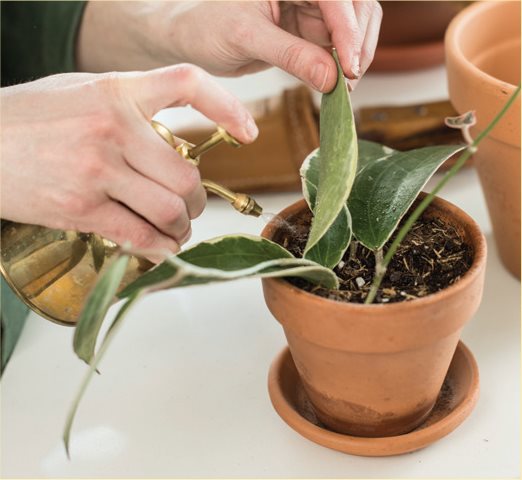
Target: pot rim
x=470, y=276
x=453, y=44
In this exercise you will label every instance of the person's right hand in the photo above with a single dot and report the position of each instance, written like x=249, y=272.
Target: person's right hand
x=232, y=38
x=79, y=153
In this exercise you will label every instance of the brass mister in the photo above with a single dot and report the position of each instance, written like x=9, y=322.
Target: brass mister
x=53, y=271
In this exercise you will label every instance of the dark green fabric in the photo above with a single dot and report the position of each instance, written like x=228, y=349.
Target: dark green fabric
x=14, y=313
x=38, y=39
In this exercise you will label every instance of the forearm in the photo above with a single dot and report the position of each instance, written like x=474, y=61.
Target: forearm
x=125, y=36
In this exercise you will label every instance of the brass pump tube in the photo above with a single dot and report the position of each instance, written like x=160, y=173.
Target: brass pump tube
x=240, y=201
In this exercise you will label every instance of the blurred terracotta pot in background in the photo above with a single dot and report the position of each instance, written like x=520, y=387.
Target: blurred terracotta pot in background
x=412, y=34
x=483, y=63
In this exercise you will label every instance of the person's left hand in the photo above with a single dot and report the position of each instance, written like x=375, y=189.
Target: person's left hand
x=232, y=38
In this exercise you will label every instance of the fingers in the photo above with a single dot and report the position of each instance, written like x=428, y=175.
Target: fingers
x=307, y=61
x=369, y=16
x=354, y=28
x=311, y=27
x=120, y=225
x=158, y=185
x=341, y=21
x=161, y=208
x=149, y=155
x=186, y=84
x=350, y=27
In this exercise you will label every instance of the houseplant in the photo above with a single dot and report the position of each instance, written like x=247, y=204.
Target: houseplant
x=327, y=188
x=483, y=64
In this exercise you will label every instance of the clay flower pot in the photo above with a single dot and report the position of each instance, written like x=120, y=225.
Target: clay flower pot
x=483, y=63
x=376, y=370
x=412, y=33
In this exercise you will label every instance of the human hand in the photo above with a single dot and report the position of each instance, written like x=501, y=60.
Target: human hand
x=233, y=38
x=79, y=153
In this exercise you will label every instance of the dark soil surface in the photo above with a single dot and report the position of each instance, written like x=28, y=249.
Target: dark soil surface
x=431, y=257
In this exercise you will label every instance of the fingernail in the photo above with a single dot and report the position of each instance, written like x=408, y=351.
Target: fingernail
x=356, y=68
x=352, y=84
x=251, y=129
x=319, y=75
x=186, y=237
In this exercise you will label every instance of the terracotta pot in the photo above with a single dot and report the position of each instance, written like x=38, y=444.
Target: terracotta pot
x=412, y=33
x=376, y=370
x=483, y=64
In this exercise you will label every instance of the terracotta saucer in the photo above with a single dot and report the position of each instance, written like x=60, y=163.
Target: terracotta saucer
x=414, y=56
x=457, y=399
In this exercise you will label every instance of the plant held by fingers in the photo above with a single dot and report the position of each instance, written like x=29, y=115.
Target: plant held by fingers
x=359, y=194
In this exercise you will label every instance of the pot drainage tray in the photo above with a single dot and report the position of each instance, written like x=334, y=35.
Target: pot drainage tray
x=457, y=399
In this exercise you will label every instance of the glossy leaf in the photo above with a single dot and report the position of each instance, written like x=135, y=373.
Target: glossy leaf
x=337, y=159
x=95, y=309
x=228, y=258
x=386, y=186
x=331, y=247
x=369, y=152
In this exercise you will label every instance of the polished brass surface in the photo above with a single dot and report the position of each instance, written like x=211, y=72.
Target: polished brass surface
x=53, y=271
x=191, y=152
x=240, y=201
x=221, y=135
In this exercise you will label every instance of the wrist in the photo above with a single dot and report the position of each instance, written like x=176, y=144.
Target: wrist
x=107, y=45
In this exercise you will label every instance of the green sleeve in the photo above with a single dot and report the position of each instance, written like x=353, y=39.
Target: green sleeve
x=38, y=38
x=12, y=319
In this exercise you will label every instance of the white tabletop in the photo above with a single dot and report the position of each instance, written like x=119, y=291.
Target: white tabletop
x=183, y=388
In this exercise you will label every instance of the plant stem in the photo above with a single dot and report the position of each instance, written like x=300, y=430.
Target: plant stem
x=378, y=260
x=380, y=271
x=419, y=210
x=353, y=248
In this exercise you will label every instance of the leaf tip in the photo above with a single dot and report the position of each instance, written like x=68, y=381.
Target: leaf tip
x=66, y=445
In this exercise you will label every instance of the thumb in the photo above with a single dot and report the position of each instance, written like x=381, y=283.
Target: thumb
x=305, y=60
x=186, y=84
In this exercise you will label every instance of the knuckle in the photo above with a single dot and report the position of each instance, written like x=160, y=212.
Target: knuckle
x=172, y=211
x=73, y=206
x=142, y=236
x=241, y=34
x=91, y=167
x=190, y=182
x=103, y=127
x=290, y=57
x=109, y=84
x=189, y=77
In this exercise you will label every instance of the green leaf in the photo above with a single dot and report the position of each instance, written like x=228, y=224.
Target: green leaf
x=229, y=258
x=96, y=307
x=338, y=158
x=331, y=247
x=369, y=152
x=386, y=186
x=309, y=173
x=329, y=250
x=93, y=366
